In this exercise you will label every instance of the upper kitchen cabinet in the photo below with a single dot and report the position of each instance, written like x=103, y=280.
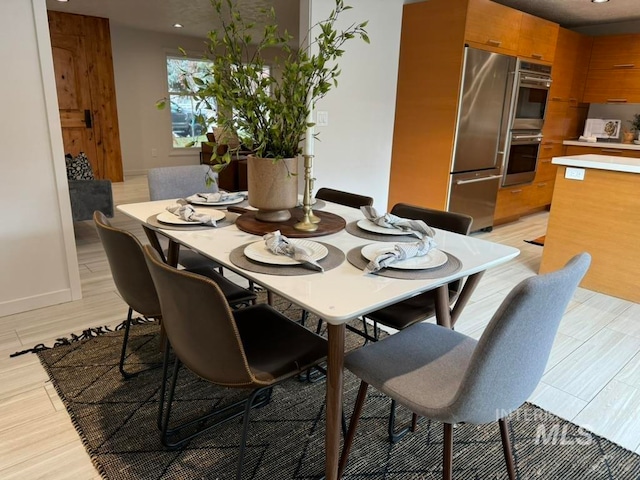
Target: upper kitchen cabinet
x=615, y=52
x=537, y=38
x=570, y=66
x=492, y=26
x=614, y=70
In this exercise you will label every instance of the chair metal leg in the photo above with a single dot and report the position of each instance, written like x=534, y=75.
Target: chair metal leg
x=447, y=457
x=506, y=447
x=245, y=427
x=165, y=368
x=123, y=353
x=393, y=435
x=304, y=317
x=257, y=399
x=353, y=424
x=125, y=341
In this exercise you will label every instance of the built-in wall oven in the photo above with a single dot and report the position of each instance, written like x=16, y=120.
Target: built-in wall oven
x=530, y=95
x=522, y=157
x=522, y=133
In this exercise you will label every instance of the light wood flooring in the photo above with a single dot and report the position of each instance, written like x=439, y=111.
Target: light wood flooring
x=593, y=375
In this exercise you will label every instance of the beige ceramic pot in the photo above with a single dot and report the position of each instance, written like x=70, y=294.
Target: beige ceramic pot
x=273, y=187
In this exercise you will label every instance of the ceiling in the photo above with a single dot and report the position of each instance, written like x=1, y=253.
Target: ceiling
x=198, y=18
x=578, y=13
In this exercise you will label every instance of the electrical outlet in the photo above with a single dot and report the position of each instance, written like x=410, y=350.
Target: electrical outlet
x=154, y=152
x=574, y=173
x=322, y=118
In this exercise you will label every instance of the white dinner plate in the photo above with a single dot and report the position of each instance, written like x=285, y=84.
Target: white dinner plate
x=259, y=252
x=435, y=258
x=170, y=218
x=369, y=226
x=233, y=201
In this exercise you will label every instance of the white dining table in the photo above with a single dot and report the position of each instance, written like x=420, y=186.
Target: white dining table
x=340, y=294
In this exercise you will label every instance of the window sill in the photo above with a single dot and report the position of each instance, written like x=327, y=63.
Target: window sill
x=185, y=152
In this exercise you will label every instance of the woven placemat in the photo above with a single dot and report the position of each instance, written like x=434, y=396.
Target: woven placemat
x=229, y=219
x=453, y=264
x=356, y=231
x=334, y=258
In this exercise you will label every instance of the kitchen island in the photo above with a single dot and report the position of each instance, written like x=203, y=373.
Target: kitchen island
x=596, y=208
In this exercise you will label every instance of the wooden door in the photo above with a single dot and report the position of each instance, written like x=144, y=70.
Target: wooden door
x=81, y=49
x=74, y=97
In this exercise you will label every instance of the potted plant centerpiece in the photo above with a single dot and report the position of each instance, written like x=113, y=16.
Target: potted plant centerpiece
x=264, y=89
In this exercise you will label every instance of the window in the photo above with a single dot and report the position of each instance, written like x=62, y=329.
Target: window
x=187, y=131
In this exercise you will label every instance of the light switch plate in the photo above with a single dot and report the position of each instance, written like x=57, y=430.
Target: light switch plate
x=322, y=118
x=574, y=173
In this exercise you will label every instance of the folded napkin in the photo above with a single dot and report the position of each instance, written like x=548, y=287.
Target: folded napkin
x=401, y=251
x=186, y=212
x=220, y=196
x=411, y=227
x=280, y=245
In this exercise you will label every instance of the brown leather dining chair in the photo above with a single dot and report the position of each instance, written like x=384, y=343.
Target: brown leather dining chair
x=344, y=198
x=133, y=281
x=347, y=199
x=420, y=307
x=253, y=348
x=451, y=378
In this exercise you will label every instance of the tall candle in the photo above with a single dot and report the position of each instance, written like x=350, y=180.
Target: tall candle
x=308, y=141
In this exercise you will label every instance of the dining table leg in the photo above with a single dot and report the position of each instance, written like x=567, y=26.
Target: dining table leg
x=446, y=316
x=334, y=385
x=467, y=290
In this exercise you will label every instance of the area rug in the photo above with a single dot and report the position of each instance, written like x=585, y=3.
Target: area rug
x=116, y=420
x=537, y=241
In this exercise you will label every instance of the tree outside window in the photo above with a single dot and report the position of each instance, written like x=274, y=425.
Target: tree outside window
x=188, y=114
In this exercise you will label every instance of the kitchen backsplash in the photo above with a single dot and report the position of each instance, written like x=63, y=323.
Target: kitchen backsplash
x=614, y=112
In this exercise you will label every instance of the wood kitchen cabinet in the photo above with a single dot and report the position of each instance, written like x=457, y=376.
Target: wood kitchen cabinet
x=619, y=85
x=493, y=26
x=429, y=77
x=602, y=149
x=570, y=66
x=511, y=203
x=614, y=70
x=537, y=39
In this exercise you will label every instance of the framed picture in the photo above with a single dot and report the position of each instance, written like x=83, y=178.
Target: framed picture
x=602, y=128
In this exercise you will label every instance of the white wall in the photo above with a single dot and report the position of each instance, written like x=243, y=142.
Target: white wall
x=38, y=256
x=354, y=151
x=140, y=71
x=139, y=63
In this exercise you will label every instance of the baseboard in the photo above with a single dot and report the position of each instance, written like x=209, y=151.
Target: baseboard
x=135, y=173
x=20, y=305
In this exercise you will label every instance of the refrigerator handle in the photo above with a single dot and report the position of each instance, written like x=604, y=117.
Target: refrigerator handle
x=474, y=180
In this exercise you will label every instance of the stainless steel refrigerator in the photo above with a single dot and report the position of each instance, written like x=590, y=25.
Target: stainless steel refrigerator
x=483, y=112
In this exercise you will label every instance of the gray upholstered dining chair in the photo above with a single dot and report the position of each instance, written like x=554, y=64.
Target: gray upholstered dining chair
x=420, y=307
x=180, y=182
x=133, y=281
x=452, y=378
x=253, y=348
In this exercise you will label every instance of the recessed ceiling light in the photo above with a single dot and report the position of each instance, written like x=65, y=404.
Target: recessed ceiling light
x=179, y=25
x=599, y=1
x=63, y=1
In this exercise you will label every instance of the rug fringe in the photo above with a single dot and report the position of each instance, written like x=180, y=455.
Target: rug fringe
x=85, y=335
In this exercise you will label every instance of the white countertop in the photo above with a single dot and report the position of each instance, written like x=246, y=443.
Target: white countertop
x=617, y=146
x=600, y=162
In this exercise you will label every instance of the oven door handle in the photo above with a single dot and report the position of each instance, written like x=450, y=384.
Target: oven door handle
x=481, y=179
x=535, y=80
x=527, y=137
